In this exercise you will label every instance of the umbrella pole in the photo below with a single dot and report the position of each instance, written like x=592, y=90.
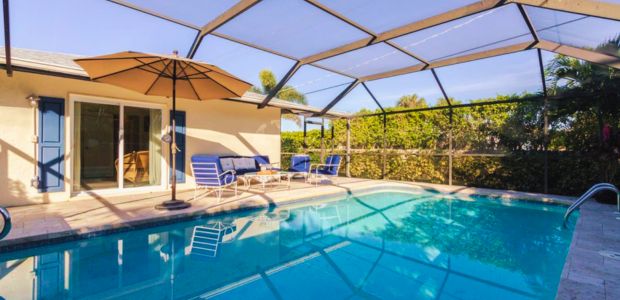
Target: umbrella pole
x=173, y=203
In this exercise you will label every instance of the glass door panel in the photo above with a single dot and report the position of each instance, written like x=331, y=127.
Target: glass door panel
x=96, y=142
x=142, y=147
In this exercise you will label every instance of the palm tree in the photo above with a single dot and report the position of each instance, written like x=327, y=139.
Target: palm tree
x=594, y=87
x=268, y=83
x=411, y=101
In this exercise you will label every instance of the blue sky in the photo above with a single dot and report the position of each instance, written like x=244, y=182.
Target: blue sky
x=94, y=27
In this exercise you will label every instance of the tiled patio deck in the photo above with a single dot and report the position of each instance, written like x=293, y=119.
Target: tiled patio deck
x=586, y=275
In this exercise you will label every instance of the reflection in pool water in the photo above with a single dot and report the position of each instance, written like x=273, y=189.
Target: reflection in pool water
x=390, y=245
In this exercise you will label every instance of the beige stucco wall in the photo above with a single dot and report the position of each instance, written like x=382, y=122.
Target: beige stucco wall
x=213, y=127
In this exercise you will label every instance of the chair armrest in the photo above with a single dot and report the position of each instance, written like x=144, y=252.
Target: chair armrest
x=225, y=172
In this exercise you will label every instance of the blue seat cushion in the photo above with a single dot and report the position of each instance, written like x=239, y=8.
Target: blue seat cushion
x=334, y=162
x=300, y=163
x=323, y=172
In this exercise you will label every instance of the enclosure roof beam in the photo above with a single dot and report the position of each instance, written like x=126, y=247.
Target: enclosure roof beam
x=220, y=20
x=542, y=72
x=594, y=8
x=360, y=27
x=7, y=39
x=280, y=84
x=529, y=24
x=339, y=97
x=443, y=91
x=451, y=61
x=270, y=51
x=411, y=27
x=372, y=95
x=584, y=54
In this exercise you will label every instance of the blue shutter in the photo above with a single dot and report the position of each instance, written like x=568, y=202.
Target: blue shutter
x=49, y=270
x=180, y=139
x=51, y=144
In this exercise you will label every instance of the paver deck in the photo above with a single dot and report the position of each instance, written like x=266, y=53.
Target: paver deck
x=587, y=274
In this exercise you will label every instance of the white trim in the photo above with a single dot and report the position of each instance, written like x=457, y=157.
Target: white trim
x=117, y=191
x=109, y=100
x=121, y=103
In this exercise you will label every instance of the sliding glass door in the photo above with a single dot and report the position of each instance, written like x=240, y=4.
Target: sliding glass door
x=111, y=151
x=142, y=147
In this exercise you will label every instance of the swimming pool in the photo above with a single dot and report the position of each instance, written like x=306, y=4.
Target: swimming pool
x=385, y=244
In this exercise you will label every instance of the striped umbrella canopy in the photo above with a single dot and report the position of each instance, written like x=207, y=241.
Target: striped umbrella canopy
x=168, y=76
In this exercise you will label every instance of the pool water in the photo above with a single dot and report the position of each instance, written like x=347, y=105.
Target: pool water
x=382, y=245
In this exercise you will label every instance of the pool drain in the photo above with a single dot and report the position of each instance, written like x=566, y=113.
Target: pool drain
x=610, y=254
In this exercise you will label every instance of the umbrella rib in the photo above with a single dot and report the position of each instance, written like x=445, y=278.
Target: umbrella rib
x=223, y=74
x=190, y=82
x=199, y=72
x=158, y=77
x=150, y=71
x=214, y=80
x=155, y=70
x=125, y=70
x=207, y=77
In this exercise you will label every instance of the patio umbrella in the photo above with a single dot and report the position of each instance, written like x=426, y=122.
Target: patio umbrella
x=164, y=75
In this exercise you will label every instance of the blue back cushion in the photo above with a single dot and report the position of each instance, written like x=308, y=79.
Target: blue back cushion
x=261, y=160
x=207, y=169
x=333, y=160
x=300, y=163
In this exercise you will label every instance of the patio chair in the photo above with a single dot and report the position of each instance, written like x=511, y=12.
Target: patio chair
x=300, y=165
x=328, y=169
x=208, y=174
x=130, y=171
x=142, y=166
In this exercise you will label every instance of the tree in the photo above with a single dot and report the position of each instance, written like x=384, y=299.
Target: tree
x=411, y=101
x=288, y=93
x=593, y=89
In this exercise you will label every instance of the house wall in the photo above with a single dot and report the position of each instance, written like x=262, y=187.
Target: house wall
x=213, y=127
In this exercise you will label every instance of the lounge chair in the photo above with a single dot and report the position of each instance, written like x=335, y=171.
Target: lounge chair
x=208, y=174
x=300, y=165
x=324, y=171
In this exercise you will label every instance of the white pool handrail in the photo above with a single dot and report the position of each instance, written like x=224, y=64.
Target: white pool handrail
x=587, y=195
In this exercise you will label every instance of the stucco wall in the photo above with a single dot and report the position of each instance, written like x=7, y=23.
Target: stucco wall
x=215, y=127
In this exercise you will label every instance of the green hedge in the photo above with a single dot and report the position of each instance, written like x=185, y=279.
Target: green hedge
x=569, y=173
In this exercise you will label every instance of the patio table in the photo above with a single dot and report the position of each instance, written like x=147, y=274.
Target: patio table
x=263, y=179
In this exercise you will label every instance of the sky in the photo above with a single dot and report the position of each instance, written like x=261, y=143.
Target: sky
x=95, y=27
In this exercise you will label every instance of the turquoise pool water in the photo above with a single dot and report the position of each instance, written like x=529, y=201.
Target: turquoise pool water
x=384, y=245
